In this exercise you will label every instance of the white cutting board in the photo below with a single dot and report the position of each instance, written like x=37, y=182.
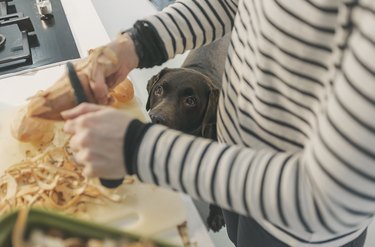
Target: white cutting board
x=146, y=210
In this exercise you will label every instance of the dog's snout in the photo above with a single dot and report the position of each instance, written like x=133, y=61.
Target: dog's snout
x=157, y=119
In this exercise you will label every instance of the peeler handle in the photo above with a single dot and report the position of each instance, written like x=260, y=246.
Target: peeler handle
x=111, y=183
x=76, y=84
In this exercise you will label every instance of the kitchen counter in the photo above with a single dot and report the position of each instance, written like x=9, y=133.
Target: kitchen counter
x=89, y=32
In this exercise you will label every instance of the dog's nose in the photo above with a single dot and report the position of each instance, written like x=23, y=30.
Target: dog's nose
x=157, y=119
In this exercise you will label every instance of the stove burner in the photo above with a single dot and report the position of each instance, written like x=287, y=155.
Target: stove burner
x=32, y=42
x=25, y=26
x=2, y=40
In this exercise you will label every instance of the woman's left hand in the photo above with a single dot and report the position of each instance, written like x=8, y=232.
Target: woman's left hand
x=97, y=139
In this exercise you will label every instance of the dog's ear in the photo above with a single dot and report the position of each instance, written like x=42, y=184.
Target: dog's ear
x=209, y=119
x=151, y=83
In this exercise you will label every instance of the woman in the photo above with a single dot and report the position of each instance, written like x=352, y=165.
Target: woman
x=296, y=119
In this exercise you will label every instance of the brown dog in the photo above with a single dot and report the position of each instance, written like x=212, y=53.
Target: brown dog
x=186, y=99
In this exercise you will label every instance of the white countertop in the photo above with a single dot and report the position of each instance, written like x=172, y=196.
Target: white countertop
x=89, y=32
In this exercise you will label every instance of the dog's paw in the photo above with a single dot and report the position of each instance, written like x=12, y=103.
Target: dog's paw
x=215, y=219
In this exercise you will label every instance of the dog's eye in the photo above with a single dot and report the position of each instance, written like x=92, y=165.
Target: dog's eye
x=158, y=91
x=191, y=101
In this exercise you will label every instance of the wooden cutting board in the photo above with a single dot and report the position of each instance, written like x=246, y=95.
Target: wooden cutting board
x=146, y=210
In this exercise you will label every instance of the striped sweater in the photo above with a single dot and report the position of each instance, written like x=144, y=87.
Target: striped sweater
x=296, y=116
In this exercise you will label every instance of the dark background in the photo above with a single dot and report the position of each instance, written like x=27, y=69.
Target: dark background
x=53, y=40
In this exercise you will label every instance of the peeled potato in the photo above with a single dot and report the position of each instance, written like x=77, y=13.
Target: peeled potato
x=49, y=103
x=123, y=92
x=32, y=130
x=60, y=96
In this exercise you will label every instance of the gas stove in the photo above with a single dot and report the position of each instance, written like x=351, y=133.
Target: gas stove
x=33, y=33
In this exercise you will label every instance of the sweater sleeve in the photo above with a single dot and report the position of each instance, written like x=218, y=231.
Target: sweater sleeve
x=182, y=26
x=326, y=188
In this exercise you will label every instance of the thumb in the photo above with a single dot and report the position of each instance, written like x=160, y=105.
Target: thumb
x=80, y=110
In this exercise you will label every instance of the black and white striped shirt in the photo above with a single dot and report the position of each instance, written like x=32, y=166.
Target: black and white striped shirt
x=296, y=118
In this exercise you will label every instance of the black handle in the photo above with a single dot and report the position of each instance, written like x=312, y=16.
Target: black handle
x=76, y=84
x=111, y=183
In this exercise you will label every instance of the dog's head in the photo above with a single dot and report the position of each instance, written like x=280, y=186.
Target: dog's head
x=185, y=100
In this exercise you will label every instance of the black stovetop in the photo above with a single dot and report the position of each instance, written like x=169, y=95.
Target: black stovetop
x=51, y=42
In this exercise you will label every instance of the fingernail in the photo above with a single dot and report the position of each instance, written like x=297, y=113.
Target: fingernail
x=64, y=114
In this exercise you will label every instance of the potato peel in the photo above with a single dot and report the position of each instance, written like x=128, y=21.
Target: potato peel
x=51, y=180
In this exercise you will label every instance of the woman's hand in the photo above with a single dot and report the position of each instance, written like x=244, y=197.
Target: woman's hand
x=107, y=66
x=98, y=139
x=124, y=48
